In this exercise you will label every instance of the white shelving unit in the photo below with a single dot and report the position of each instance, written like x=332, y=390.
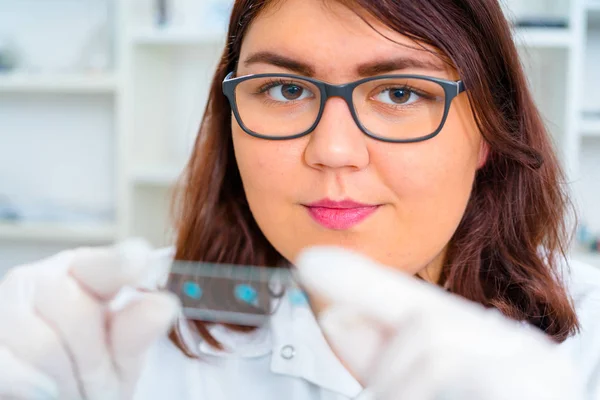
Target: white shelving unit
x=60, y=136
x=587, y=180
x=167, y=75
x=150, y=49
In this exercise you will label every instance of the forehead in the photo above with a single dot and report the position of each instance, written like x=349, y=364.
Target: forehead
x=331, y=37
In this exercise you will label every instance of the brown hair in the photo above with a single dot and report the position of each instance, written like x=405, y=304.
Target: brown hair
x=506, y=251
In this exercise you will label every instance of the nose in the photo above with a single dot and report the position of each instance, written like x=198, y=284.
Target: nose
x=337, y=142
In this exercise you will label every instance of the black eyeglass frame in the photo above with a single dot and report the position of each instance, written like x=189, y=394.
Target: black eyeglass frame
x=451, y=89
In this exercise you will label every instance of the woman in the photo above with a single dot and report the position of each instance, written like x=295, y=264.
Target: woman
x=401, y=130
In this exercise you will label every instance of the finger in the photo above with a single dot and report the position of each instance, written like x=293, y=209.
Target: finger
x=80, y=321
x=366, y=304
x=344, y=328
x=29, y=337
x=135, y=328
x=344, y=277
x=105, y=271
x=20, y=380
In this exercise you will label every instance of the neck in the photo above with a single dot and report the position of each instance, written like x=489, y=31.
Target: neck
x=433, y=271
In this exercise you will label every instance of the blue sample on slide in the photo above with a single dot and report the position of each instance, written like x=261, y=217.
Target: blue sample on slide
x=246, y=293
x=192, y=289
x=298, y=297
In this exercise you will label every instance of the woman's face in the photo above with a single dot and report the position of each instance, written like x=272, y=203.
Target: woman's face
x=401, y=203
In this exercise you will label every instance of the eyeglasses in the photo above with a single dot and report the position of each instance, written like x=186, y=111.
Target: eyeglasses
x=391, y=108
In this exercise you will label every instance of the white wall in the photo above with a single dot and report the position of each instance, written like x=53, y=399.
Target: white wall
x=57, y=150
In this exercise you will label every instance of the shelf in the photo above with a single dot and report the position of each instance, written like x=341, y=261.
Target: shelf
x=590, y=258
x=593, y=5
x=176, y=37
x=55, y=232
x=158, y=175
x=590, y=127
x=544, y=37
x=57, y=83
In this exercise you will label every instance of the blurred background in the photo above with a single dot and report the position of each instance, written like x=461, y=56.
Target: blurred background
x=100, y=101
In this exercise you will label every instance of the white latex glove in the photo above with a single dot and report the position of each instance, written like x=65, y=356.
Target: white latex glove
x=62, y=333
x=405, y=339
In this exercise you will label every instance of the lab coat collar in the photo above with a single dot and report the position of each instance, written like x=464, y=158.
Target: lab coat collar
x=257, y=343
x=296, y=333
x=295, y=341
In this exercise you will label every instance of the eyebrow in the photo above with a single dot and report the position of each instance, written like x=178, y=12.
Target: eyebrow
x=267, y=57
x=364, y=70
x=398, y=64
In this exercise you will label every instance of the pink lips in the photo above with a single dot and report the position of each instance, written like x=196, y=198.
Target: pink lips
x=339, y=215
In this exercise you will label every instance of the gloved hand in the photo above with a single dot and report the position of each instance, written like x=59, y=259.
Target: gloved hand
x=63, y=334
x=406, y=339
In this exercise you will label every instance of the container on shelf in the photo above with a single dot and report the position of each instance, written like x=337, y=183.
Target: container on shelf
x=8, y=54
x=162, y=12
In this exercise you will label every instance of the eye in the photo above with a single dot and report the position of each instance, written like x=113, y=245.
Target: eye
x=397, y=96
x=288, y=92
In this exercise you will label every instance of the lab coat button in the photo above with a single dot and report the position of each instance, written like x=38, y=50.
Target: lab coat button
x=288, y=352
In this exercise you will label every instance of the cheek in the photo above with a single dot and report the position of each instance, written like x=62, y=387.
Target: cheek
x=432, y=181
x=445, y=166
x=264, y=164
x=269, y=171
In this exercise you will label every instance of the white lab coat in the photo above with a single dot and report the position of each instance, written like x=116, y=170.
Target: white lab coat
x=291, y=360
